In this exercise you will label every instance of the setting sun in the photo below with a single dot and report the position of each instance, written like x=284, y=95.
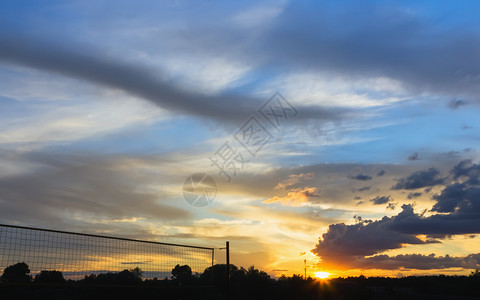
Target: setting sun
x=322, y=275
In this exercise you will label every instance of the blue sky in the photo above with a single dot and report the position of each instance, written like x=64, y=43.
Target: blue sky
x=106, y=108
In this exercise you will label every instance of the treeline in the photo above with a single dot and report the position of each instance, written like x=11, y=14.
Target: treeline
x=17, y=283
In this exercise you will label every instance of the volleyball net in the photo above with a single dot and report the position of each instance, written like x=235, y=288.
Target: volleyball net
x=80, y=254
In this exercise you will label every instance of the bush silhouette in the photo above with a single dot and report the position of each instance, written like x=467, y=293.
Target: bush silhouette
x=50, y=277
x=17, y=273
x=127, y=277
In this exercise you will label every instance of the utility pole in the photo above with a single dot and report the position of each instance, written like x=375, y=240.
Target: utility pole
x=305, y=268
x=228, y=269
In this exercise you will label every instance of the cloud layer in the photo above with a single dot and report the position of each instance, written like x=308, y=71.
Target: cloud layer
x=456, y=212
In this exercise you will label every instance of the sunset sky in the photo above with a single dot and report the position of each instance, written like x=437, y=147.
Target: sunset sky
x=106, y=108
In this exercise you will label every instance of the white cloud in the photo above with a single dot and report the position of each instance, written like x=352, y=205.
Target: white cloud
x=44, y=122
x=258, y=16
x=205, y=74
x=310, y=88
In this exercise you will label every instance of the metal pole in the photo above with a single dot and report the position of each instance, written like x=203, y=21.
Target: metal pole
x=213, y=257
x=211, y=268
x=228, y=270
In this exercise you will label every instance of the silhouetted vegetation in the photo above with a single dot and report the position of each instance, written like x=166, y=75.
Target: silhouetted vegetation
x=17, y=273
x=50, y=277
x=183, y=274
x=251, y=283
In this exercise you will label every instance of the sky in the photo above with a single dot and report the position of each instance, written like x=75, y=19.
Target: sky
x=350, y=128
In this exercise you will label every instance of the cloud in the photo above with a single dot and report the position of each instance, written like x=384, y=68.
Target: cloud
x=330, y=180
x=420, y=179
x=358, y=245
x=456, y=103
x=381, y=173
x=79, y=119
x=361, y=177
x=379, y=200
x=456, y=211
x=295, y=197
x=365, y=188
x=65, y=191
x=418, y=262
x=467, y=170
x=414, y=156
x=414, y=195
x=362, y=239
x=458, y=222
x=458, y=198
x=86, y=64
x=294, y=179
x=427, y=60
x=392, y=206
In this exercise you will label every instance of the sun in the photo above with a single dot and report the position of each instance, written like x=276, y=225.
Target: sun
x=322, y=275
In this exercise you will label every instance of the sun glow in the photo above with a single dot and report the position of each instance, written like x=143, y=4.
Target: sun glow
x=322, y=275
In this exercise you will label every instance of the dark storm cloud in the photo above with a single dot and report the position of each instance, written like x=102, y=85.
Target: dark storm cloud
x=362, y=239
x=381, y=173
x=456, y=211
x=86, y=64
x=420, y=179
x=458, y=222
x=350, y=245
x=379, y=200
x=361, y=177
x=463, y=196
x=458, y=198
x=468, y=171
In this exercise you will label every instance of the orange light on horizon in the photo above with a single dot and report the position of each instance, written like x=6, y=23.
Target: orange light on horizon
x=321, y=275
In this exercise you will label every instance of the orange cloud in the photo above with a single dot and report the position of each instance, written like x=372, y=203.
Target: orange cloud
x=295, y=197
x=294, y=179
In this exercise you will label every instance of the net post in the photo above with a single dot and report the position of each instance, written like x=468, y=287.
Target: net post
x=211, y=268
x=228, y=269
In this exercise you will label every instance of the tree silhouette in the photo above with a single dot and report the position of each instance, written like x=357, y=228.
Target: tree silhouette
x=129, y=276
x=50, y=277
x=182, y=273
x=137, y=272
x=256, y=275
x=17, y=273
x=216, y=275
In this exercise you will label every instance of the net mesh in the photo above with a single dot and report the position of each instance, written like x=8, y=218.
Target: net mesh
x=77, y=255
